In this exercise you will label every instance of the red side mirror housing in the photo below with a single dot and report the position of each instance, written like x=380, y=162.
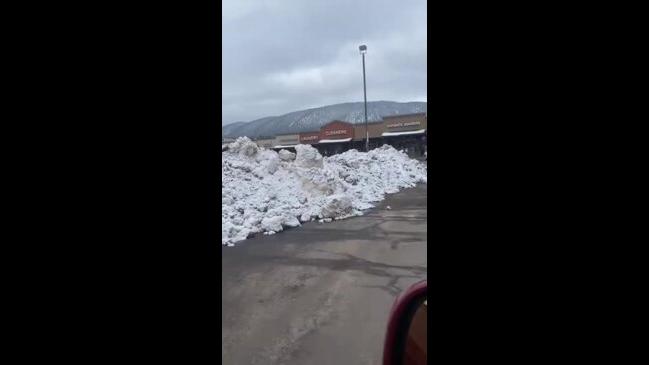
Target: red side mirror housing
x=406, y=332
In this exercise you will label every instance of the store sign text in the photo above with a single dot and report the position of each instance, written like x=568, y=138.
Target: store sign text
x=404, y=124
x=309, y=138
x=335, y=132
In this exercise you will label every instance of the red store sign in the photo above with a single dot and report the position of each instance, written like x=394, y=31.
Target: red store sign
x=309, y=137
x=337, y=130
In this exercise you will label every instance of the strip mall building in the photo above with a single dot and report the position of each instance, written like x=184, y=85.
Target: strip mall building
x=404, y=132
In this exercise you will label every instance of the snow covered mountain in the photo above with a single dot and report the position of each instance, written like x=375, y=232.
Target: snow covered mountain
x=313, y=119
x=226, y=129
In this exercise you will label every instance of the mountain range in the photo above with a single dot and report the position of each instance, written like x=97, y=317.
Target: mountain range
x=312, y=119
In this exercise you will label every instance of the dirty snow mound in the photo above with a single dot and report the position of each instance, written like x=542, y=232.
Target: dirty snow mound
x=263, y=191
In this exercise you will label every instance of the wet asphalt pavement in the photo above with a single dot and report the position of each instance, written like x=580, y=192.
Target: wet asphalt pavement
x=321, y=293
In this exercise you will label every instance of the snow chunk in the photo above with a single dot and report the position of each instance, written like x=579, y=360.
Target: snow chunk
x=337, y=205
x=244, y=146
x=286, y=155
x=306, y=217
x=268, y=160
x=307, y=156
x=272, y=224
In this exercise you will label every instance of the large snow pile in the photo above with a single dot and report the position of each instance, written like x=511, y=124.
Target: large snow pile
x=263, y=191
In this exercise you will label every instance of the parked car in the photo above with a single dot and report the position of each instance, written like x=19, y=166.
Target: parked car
x=405, y=339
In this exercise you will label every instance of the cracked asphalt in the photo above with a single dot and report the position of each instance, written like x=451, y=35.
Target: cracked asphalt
x=321, y=293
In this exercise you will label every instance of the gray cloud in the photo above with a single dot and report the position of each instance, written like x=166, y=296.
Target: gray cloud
x=285, y=55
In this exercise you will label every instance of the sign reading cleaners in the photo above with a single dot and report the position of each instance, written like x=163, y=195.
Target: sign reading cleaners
x=337, y=130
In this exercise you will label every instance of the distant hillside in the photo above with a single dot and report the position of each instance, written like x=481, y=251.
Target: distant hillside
x=313, y=119
x=226, y=129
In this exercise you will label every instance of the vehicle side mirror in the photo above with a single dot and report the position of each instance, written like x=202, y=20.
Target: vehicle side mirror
x=406, y=337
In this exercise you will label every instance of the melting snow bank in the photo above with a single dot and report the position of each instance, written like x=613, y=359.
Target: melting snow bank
x=265, y=191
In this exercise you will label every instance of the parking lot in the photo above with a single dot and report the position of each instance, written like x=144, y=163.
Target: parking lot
x=321, y=293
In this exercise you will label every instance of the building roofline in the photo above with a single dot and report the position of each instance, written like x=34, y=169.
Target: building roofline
x=337, y=120
x=362, y=124
x=403, y=115
x=353, y=125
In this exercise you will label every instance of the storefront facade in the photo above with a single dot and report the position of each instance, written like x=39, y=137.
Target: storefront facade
x=286, y=141
x=265, y=142
x=335, y=137
x=407, y=132
x=374, y=130
x=404, y=132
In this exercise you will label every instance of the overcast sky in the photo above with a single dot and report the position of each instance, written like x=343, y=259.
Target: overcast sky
x=281, y=56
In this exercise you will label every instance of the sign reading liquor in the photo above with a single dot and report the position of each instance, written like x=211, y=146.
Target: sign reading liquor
x=337, y=130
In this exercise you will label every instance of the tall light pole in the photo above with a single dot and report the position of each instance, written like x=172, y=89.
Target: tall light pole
x=363, y=50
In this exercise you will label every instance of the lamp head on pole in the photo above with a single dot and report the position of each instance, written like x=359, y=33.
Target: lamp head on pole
x=363, y=49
